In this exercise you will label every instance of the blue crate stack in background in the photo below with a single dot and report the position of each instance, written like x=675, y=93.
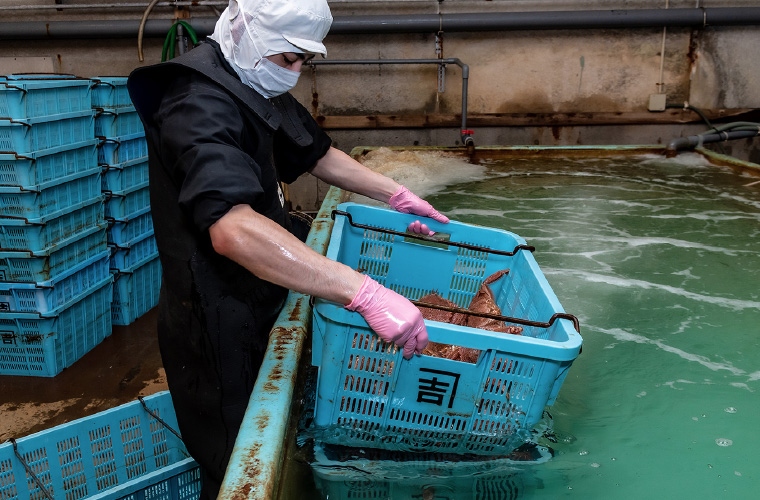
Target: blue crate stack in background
x=123, y=156
x=55, y=284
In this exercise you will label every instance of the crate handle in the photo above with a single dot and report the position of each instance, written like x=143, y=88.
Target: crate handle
x=30, y=471
x=103, y=111
x=506, y=319
x=104, y=140
x=433, y=239
x=9, y=86
x=101, y=82
x=11, y=120
x=142, y=402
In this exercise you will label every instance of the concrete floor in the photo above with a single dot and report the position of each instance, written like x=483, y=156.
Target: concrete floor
x=125, y=365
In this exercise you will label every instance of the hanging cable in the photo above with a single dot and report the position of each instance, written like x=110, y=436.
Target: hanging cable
x=142, y=29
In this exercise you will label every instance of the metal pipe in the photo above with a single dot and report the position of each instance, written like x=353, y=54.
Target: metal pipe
x=506, y=21
x=94, y=6
x=491, y=21
x=465, y=134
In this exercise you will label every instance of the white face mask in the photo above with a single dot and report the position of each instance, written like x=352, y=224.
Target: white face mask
x=267, y=78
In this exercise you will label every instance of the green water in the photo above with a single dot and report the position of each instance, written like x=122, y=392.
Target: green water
x=660, y=260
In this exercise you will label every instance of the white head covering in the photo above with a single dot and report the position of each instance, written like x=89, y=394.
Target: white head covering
x=259, y=28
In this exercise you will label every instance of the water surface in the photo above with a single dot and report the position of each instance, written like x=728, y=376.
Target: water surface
x=660, y=260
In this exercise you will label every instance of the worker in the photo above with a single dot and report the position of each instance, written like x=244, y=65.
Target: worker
x=222, y=133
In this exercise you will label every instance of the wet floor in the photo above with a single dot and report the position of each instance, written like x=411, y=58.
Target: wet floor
x=125, y=365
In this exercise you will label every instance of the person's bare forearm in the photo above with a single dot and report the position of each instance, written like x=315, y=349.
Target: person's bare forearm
x=339, y=169
x=272, y=253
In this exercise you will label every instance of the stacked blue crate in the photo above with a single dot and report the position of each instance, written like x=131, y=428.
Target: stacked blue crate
x=55, y=286
x=123, y=156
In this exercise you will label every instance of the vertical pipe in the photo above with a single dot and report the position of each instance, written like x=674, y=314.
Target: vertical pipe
x=661, y=84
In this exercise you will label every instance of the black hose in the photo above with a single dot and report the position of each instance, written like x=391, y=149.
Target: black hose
x=692, y=108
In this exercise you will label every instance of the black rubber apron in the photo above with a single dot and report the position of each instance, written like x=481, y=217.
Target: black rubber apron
x=214, y=316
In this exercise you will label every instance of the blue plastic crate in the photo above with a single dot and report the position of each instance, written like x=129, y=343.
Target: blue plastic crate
x=136, y=291
x=117, y=122
x=133, y=253
x=51, y=199
x=54, y=260
x=121, y=453
x=124, y=176
x=126, y=229
x=374, y=398
x=110, y=92
x=46, y=296
x=33, y=169
x=114, y=150
x=42, y=345
x=37, y=235
x=122, y=204
x=31, y=96
x=46, y=133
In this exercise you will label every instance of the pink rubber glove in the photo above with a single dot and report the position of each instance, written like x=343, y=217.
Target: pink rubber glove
x=391, y=316
x=406, y=202
x=420, y=228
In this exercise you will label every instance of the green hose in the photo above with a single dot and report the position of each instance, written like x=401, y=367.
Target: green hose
x=171, y=39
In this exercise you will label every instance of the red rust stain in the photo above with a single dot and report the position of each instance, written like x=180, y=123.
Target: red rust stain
x=252, y=470
x=296, y=312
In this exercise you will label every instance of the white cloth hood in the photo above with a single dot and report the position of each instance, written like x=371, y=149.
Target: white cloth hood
x=254, y=29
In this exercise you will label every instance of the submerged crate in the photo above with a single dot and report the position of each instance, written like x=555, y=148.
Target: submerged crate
x=42, y=345
x=33, y=169
x=31, y=96
x=46, y=133
x=123, y=230
x=368, y=395
x=46, y=296
x=115, y=150
x=53, y=260
x=36, y=235
x=123, y=204
x=136, y=291
x=344, y=473
x=134, y=252
x=123, y=176
x=118, y=122
x=51, y=199
x=110, y=92
x=121, y=453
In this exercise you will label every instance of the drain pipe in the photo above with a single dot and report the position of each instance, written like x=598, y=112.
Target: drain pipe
x=416, y=23
x=464, y=133
x=696, y=141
